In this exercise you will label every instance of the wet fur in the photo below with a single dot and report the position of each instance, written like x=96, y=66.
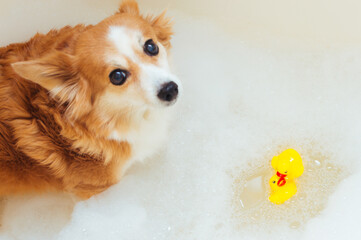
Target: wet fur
x=52, y=136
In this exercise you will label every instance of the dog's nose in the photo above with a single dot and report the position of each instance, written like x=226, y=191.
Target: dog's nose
x=168, y=92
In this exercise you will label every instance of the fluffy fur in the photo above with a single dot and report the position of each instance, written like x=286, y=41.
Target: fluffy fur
x=63, y=125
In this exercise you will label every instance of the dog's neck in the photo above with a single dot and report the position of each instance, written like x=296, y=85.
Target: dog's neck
x=140, y=132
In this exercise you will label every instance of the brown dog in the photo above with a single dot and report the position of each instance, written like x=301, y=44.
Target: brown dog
x=80, y=104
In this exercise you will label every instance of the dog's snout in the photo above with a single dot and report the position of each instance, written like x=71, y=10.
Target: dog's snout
x=168, y=92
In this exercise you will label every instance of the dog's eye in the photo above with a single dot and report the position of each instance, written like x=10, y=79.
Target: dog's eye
x=118, y=76
x=151, y=48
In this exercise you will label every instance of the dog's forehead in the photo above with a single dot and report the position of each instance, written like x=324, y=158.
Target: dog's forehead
x=125, y=40
x=127, y=45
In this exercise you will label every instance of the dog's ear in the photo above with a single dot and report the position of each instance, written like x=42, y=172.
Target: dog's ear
x=129, y=6
x=49, y=72
x=163, y=27
x=56, y=73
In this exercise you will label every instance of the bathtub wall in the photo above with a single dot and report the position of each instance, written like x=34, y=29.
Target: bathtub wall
x=315, y=22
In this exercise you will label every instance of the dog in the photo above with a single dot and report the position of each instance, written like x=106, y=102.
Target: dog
x=80, y=104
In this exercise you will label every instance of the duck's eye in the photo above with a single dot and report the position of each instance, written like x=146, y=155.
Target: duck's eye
x=151, y=48
x=118, y=76
x=274, y=182
x=286, y=172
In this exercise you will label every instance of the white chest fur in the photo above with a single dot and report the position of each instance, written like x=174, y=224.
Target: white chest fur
x=146, y=137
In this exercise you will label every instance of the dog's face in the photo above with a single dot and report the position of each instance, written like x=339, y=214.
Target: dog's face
x=132, y=69
x=116, y=68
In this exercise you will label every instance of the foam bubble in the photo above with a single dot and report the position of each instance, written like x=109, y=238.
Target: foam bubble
x=321, y=177
x=36, y=217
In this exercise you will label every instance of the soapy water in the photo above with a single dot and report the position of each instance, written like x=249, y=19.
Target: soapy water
x=21, y=213
x=251, y=191
x=242, y=104
x=2, y=205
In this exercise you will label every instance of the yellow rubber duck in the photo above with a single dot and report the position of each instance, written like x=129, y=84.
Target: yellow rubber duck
x=280, y=194
x=288, y=166
x=288, y=163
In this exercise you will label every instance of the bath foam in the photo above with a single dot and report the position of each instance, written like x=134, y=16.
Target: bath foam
x=2, y=206
x=35, y=217
x=341, y=222
x=321, y=177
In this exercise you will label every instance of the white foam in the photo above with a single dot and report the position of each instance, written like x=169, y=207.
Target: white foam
x=340, y=220
x=240, y=104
